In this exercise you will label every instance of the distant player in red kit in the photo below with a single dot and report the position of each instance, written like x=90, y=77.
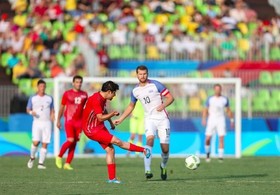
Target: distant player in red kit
x=94, y=115
x=72, y=105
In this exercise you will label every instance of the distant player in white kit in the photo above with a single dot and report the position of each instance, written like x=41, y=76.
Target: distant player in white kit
x=215, y=108
x=41, y=107
x=150, y=93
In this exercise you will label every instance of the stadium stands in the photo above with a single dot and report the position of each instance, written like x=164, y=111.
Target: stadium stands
x=198, y=30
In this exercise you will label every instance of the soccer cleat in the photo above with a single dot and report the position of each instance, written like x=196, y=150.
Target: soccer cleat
x=41, y=166
x=147, y=152
x=148, y=175
x=207, y=160
x=163, y=173
x=67, y=167
x=114, y=181
x=58, y=162
x=30, y=163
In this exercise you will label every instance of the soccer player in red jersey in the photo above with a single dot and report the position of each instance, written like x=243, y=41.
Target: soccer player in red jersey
x=72, y=105
x=94, y=115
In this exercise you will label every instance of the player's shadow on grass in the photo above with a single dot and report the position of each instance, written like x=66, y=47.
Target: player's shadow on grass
x=240, y=176
x=213, y=177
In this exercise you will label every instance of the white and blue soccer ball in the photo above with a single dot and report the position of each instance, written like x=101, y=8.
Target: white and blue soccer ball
x=192, y=162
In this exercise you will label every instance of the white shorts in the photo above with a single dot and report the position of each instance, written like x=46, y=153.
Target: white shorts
x=41, y=131
x=159, y=128
x=218, y=126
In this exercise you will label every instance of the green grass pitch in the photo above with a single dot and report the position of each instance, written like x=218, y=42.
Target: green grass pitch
x=248, y=175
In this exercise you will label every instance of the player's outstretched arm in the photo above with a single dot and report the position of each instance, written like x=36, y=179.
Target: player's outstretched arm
x=104, y=117
x=125, y=114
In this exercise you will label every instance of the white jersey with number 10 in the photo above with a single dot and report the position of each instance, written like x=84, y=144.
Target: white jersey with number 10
x=150, y=97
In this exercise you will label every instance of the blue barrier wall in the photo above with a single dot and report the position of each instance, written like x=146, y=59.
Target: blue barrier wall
x=181, y=144
x=260, y=137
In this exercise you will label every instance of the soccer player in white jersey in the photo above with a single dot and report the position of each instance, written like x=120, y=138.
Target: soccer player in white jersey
x=150, y=93
x=215, y=108
x=41, y=107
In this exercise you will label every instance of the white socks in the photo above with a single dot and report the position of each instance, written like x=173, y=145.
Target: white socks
x=43, y=153
x=33, y=151
x=221, y=152
x=207, y=149
x=148, y=161
x=164, y=158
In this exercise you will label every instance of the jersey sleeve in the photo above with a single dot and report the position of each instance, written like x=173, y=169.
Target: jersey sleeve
x=227, y=103
x=29, y=103
x=161, y=88
x=133, y=98
x=64, y=98
x=52, y=104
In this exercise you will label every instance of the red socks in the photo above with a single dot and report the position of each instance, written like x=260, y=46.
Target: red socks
x=71, y=152
x=111, y=171
x=64, y=147
x=135, y=148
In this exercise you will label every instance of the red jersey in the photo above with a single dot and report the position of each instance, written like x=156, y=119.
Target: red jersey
x=74, y=102
x=95, y=105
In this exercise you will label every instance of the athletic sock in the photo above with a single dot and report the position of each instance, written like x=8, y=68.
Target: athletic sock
x=111, y=171
x=64, y=147
x=33, y=151
x=207, y=150
x=71, y=152
x=148, y=161
x=164, y=158
x=135, y=148
x=43, y=153
x=221, y=152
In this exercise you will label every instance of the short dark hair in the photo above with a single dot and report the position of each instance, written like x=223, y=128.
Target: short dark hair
x=77, y=77
x=41, y=81
x=109, y=86
x=141, y=67
x=218, y=85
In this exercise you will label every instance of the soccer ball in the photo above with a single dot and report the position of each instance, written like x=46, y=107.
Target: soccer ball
x=192, y=162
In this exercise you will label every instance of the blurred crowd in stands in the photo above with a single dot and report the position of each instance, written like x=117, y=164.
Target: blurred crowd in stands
x=51, y=38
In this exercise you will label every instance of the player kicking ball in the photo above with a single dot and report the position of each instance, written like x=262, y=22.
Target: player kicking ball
x=150, y=93
x=94, y=115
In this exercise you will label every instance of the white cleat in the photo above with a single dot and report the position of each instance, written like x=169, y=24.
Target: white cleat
x=208, y=160
x=41, y=166
x=30, y=163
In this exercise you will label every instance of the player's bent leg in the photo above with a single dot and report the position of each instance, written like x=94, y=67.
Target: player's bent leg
x=126, y=145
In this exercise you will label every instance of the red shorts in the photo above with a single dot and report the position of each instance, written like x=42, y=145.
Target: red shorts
x=73, y=129
x=101, y=135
